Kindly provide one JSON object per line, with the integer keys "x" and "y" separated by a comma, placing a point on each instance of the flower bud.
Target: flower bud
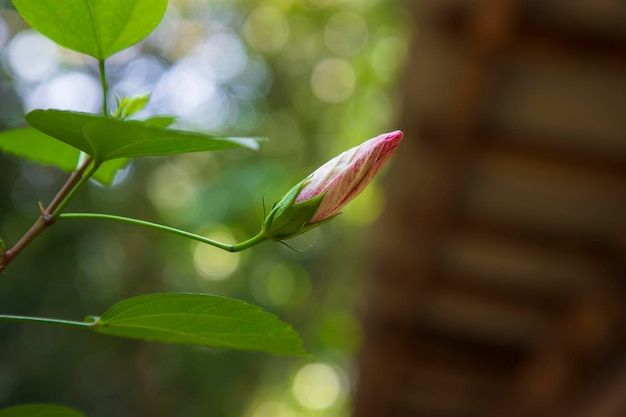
{"x": 319, "y": 197}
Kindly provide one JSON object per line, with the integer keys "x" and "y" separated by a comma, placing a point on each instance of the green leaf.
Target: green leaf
{"x": 199, "y": 319}
{"x": 39, "y": 410}
{"x": 127, "y": 106}
{"x": 36, "y": 146}
{"x": 98, "y": 28}
{"x": 159, "y": 121}
{"x": 107, "y": 171}
{"x": 105, "y": 138}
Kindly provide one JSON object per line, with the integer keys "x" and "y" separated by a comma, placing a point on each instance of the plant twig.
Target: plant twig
{"x": 71, "y": 182}
{"x": 65, "y": 194}
{"x": 48, "y": 216}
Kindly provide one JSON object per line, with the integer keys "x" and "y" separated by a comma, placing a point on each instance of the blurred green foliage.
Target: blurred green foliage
{"x": 316, "y": 77}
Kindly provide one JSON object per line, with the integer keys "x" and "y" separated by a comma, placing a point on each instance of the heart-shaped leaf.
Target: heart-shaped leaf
{"x": 39, "y": 410}
{"x": 199, "y": 319}
{"x": 98, "y": 28}
{"x": 105, "y": 138}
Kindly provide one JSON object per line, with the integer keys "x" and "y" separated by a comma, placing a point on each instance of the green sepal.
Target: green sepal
{"x": 287, "y": 220}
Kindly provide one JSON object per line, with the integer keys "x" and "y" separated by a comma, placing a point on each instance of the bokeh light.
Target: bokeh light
{"x": 346, "y": 33}
{"x": 316, "y": 386}
{"x": 188, "y": 91}
{"x": 139, "y": 75}
{"x": 32, "y": 57}
{"x": 221, "y": 54}
{"x": 266, "y": 29}
{"x": 333, "y": 80}
{"x": 67, "y": 91}
{"x": 388, "y": 55}
{"x": 213, "y": 263}
{"x": 170, "y": 187}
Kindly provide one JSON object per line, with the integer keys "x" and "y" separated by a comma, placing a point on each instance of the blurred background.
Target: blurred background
{"x": 484, "y": 276}
{"x": 316, "y": 77}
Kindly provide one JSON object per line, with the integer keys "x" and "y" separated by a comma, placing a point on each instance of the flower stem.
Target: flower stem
{"x": 59, "y": 322}
{"x": 260, "y": 237}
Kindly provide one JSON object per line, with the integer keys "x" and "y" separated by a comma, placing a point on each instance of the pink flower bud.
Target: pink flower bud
{"x": 322, "y": 194}
{"x": 342, "y": 178}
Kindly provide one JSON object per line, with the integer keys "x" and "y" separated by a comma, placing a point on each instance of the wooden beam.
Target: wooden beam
{"x": 546, "y": 384}
{"x": 388, "y": 350}
{"x": 609, "y": 168}
{"x": 608, "y": 396}
{"x": 540, "y": 41}
{"x": 537, "y": 40}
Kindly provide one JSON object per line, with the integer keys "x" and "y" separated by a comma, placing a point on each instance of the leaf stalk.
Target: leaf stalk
{"x": 43, "y": 320}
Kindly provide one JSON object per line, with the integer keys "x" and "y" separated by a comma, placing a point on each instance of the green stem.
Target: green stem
{"x": 260, "y": 237}
{"x": 4, "y": 317}
{"x": 105, "y": 88}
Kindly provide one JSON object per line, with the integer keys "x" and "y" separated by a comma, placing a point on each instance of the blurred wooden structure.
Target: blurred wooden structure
{"x": 498, "y": 279}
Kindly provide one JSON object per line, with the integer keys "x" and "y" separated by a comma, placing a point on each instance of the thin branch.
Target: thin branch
{"x": 47, "y": 218}
{"x": 65, "y": 194}
{"x": 68, "y": 186}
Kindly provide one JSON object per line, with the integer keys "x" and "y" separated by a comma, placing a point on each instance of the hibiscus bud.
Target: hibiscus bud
{"x": 320, "y": 196}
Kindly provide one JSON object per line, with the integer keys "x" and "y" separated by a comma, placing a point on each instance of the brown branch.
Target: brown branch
{"x": 46, "y": 219}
